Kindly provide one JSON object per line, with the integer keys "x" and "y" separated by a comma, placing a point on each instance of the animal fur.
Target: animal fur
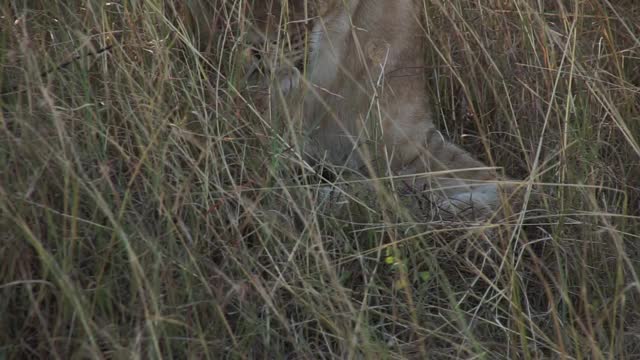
{"x": 361, "y": 99}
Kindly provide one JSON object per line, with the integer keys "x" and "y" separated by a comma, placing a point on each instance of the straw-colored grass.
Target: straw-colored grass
{"x": 146, "y": 211}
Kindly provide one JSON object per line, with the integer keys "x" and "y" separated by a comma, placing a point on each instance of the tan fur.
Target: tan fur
{"x": 363, "y": 100}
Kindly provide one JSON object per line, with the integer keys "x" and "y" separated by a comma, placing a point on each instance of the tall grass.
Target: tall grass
{"x": 147, "y": 211}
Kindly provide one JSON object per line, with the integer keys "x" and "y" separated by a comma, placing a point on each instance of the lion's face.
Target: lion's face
{"x": 276, "y": 35}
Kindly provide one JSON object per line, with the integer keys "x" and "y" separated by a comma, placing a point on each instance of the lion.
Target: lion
{"x": 351, "y": 75}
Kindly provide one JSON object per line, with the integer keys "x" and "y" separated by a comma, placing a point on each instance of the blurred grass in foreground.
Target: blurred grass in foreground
{"x": 146, "y": 210}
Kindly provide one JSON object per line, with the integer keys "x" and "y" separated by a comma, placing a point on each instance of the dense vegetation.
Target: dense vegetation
{"x": 146, "y": 209}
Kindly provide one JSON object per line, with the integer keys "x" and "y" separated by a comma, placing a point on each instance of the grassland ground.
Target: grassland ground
{"x": 148, "y": 211}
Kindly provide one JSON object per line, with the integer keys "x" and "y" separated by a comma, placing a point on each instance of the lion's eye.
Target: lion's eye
{"x": 256, "y": 54}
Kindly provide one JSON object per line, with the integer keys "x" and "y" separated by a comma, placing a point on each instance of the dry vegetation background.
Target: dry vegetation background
{"x": 146, "y": 211}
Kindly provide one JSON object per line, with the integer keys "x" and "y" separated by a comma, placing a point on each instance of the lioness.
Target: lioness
{"x": 351, "y": 73}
